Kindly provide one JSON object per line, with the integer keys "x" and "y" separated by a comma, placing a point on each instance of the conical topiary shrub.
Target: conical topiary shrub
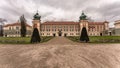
{"x": 84, "y": 35}
{"x": 35, "y": 36}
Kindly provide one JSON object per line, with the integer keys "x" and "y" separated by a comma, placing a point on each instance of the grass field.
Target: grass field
{"x": 20, "y": 40}
{"x": 98, "y": 39}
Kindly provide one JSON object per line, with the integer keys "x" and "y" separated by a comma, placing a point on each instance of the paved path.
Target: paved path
{"x": 60, "y": 41}
{"x": 59, "y": 53}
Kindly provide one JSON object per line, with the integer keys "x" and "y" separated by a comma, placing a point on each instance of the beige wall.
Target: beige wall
{"x": 14, "y": 31}
{"x": 72, "y": 30}
{"x": 49, "y": 30}
{"x": 95, "y": 30}
{"x": 117, "y": 24}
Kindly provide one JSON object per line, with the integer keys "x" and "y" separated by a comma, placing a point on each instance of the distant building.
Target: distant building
{"x": 116, "y": 30}
{"x": 13, "y": 30}
{"x": 69, "y": 28}
{"x": 117, "y": 24}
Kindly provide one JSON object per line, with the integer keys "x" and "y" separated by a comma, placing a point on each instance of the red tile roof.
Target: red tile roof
{"x": 117, "y": 22}
{"x": 69, "y": 23}
{"x": 16, "y": 24}
{"x": 60, "y": 23}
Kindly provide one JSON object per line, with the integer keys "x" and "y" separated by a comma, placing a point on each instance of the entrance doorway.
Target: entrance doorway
{"x": 65, "y": 35}
{"x": 110, "y": 33}
{"x": 100, "y": 34}
{"x": 54, "y": 35}
{"x": 59, "y": 33}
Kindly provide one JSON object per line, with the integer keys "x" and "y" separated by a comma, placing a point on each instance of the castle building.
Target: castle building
{"x": 116, "y": 30}
{"x": 69, "y": 28}
{"x": 13, "y": 30}
{"x": 60, "y": 28}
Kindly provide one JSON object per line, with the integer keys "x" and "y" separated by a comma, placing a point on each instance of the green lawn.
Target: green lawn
{"x": 20, "y": 40}
{"x": 98, "y": 39}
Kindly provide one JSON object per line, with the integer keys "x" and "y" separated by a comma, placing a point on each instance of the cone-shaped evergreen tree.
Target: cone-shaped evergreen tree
{"x": 84, "y": 35}
{"x": 23, "y": 26}
{"x": 35, "y": 36}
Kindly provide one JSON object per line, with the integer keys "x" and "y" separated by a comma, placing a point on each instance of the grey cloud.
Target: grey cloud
{"x": 12, "y": 12}
{"x": 110, "y": 9}
{"x": 65, "y": 4}
{"x": 109, "y": 12}
{"x": 72, "y": 9}
{"x": 15, "y": 11}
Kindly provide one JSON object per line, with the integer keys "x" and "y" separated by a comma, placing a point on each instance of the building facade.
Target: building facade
{"x": 116, "y": 30}
{"x": 59, "y": 28}
{"x": 13, "y": 30}
{"x": 69, "y": 28}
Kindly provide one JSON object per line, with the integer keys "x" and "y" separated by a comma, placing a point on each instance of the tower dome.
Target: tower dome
{"x": 83, "y": 16}
{"x": 37, "y": 16}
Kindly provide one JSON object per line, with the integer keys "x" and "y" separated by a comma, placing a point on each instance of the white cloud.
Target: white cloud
{"x": 98, "y": 10}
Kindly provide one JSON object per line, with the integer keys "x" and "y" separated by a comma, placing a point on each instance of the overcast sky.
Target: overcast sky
{"x": 60, "y": 10}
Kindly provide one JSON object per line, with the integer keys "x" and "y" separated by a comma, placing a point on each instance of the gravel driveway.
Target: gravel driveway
{"x": 60, "y": 53}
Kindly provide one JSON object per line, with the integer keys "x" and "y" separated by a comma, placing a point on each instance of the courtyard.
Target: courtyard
{"x": 60, "y": 52}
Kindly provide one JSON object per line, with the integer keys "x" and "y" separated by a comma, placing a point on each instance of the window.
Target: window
{"x": 77, "y": 33}
{"x": 71, "y": 33}
{"x": 66, "y": 29}
{"x": 9, "y": 28}
{"x": 43, "y": 30}
{"x": 49, "y": 29}
{"x": 72, "y": 29}
{"x": 18, "y": 32}
{"x": 48, "y": 33}
{"x": 17, "y": 28}
{"x": 91, "y": 34}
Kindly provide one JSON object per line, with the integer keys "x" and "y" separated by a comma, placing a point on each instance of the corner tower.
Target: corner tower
{"x": 36, "y": 21}
{"x": 106, "y": 25}
{"x": 83, "y": 22}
